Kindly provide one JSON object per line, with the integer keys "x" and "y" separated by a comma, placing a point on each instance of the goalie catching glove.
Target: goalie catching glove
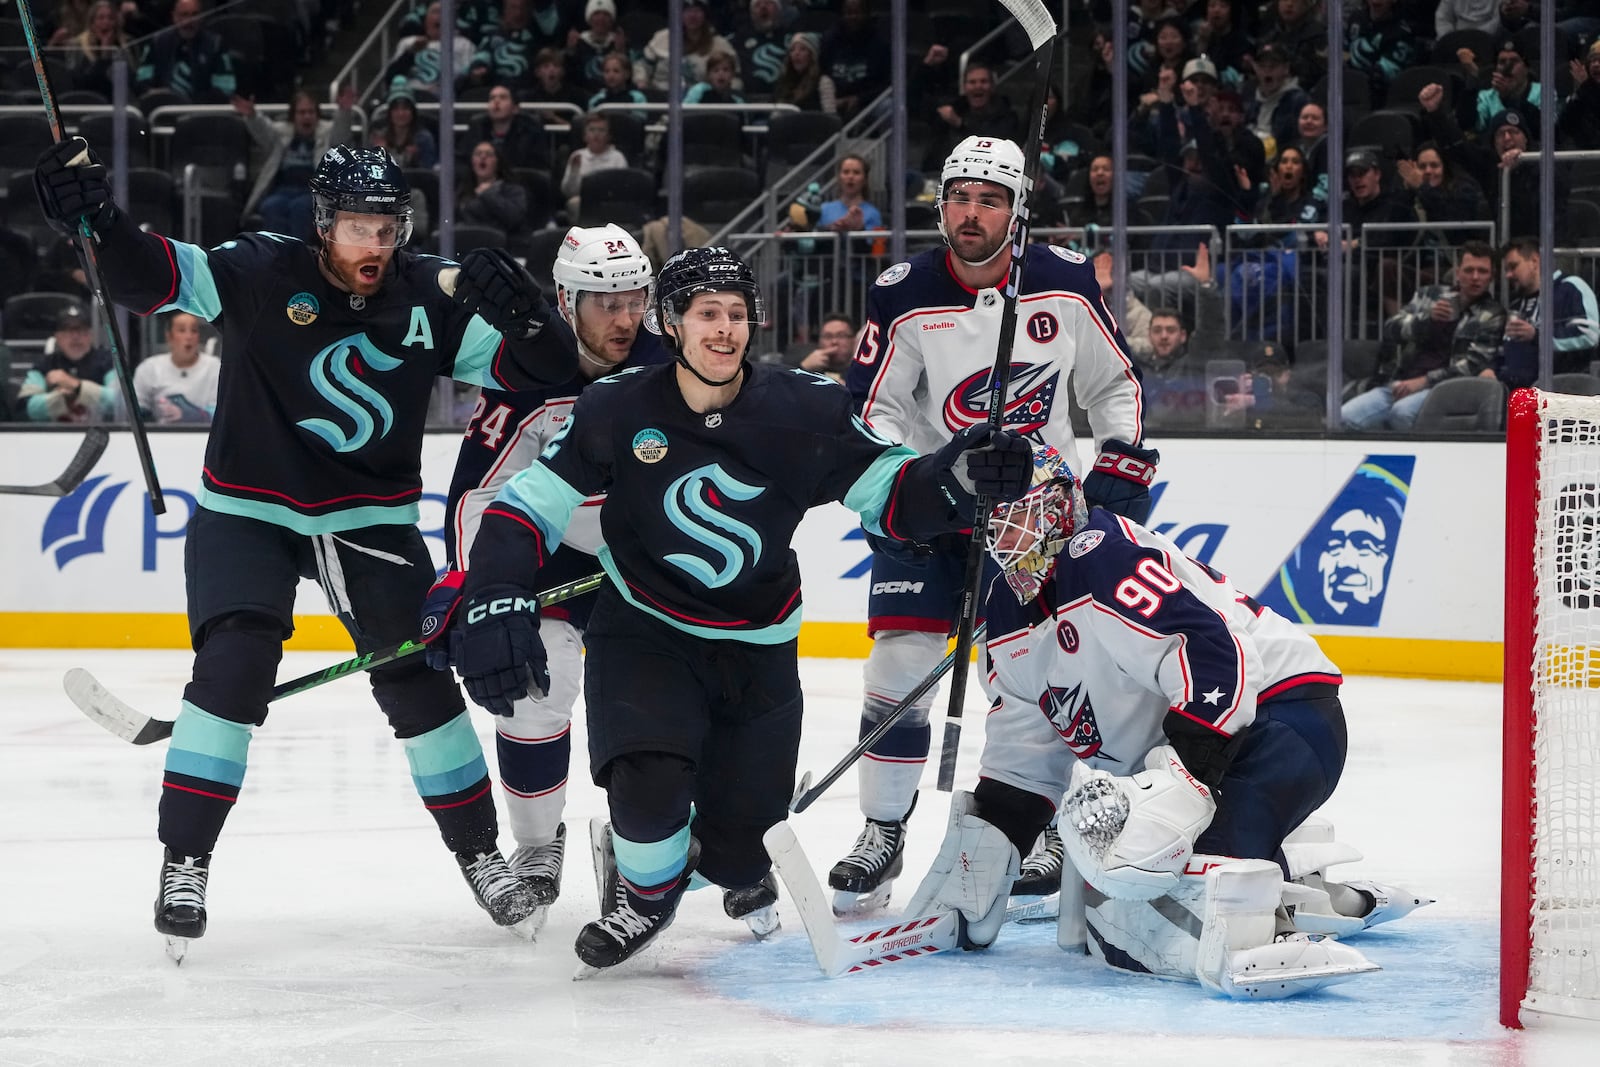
{"x": 1131, "y": 837}
{"x": 972, "y": 874}
{"x": 494, "y": 286}
{"x": 497, "y": 649}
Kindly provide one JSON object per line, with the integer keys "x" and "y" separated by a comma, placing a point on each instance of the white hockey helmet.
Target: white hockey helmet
{"x": 599, "y": 259}
{"x": 990, "y": 159}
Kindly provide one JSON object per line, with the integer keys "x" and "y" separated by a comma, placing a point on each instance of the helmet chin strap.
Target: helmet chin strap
{"x": 683, "y": 361}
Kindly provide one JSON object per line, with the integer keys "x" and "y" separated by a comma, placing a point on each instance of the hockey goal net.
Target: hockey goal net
{"x": 1550, "y": 871}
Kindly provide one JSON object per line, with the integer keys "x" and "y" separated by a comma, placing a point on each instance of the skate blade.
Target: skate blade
{"x": 177, "y": 948}
{"x": 528, "y": 929}
{"x": 848, "y": 905}
{"x": 642, "y": 962}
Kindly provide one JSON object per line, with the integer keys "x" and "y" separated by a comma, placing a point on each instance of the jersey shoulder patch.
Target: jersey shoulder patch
{"x": 896, "y": 273}
{"x": 1068, "y": 254}
{"x": 1084, "y": 543}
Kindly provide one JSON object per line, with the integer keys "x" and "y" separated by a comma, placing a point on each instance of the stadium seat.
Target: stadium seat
{"x": 218, "y": 145}
{"x": 1483, "y": 47}
{"x": 713, "y": 139}
{"x": 794, "y": 135}
{"x": 1463, "y": 405}
{"x": 152, "y": 200}
{"x": 1408, "y": 83}
{"x": 714, "y": 195}
{"x": 1577, "y": 384}
{"x": 97, "y": 130}
{"x": 1393, "y": 133}
{"x": 626, "y": 196}
{"x": 32, "y": 316}
{"x": 18, "y": 261}
{"x": 542, "y": 248}
{"x": 469, "y": 236}
{"x": 24, "y": 137}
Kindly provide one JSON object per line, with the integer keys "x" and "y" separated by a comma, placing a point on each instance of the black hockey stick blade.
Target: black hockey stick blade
{"x": 89, "y": 452}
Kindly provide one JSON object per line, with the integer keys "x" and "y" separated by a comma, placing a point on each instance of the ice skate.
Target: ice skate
{"x": 502, "y": 894}
{"x": 1041, "y": 868}
{"x": 181, "y": 901}
{"x": 756, "y": 905}
{"x": 1387, "y": 902}
{"x": 863, "y": 880}
{"x": 539, "y": 866}
{"x": 629, "y": 924}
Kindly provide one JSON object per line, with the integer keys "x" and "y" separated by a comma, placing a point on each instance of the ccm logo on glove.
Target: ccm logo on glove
{"x": 1125, "y": 466}
{"x": 501, "y": 606}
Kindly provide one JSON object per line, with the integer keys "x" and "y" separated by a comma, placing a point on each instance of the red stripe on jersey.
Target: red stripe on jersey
{"x": 172, "y": 291}
{"x": 214, "y": 480}
{"x": 1281, "y": 687}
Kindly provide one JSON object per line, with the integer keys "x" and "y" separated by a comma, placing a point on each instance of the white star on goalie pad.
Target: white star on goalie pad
{"x": 1212, "y": 697}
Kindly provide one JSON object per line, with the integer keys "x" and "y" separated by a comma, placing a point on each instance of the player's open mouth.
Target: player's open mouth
{"x": 370, "y": 272}
{"x": 719, "y": 350}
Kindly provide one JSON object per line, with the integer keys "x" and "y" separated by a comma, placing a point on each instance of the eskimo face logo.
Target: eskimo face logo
{"x": 697, "y": 505}
{"x": 303, "y": 309}
{"x": 1033, "y": 394}
{"x": 334, "y": 376}
{"x": 1070, "y": 712}
{"x": 1354, "y": 561}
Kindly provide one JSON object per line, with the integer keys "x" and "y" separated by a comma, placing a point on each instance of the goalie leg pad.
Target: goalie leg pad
{"x": 972, "y": 874}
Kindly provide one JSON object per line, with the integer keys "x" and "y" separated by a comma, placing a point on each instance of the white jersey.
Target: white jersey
{"x": 1127, "y": 630}
{"x": 171, "y": 393}
{"x": 922, "y": 368}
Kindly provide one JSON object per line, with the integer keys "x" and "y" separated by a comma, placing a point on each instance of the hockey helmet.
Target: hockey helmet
{"x": 1026, "y": 535}
{"x": 704, "y": 270}
{"x": 598, "y": 259}
{"x": 364, "y": 181}
{"x": 990, "y": 159}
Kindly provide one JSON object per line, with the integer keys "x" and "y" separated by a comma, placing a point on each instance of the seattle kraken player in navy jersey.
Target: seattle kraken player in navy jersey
{"x": 921, "y": 374}
{"x": 313, "y": 468}
{"x": 691, "y": 682}
{"x": 603, "y": 283}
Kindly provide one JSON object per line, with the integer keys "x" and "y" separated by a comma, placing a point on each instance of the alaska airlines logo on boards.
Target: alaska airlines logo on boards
{"x": 1032, "y": 398}
{"x": 341, "y": 361}
{"x": 1339, "y": 573}
{"x": 694, "y": 503}
{"x": 76, "y": 524}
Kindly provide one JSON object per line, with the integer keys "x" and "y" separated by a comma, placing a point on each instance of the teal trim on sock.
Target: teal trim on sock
{"x": 649, "y": 863}
{"x": 206, "y": 746}
{"x": 446, "y": 760}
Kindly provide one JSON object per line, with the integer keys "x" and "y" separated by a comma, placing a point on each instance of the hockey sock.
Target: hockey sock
{"x": 452, "y": 778}
{"x": 893, "y": 766}
{"x": 204, "y": 770}
{"x": 652, "y": 870}
{"x": 533, "y": 773}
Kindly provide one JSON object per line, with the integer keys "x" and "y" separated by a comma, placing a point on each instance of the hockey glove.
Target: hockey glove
{"x": 70, "y": 182}
{"x": 438, "y": 611}
{"x": 497, "y": 650}
{"x": 983, "y": 461}
{"x": 1120, "y": 481}
{"x": 499, "y": 290}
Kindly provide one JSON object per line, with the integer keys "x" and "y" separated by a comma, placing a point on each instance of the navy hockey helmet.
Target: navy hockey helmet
{"x": 704, "y": 270}
{"x": 364, "y": 181}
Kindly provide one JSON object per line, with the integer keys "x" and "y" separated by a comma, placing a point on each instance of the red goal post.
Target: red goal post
{"x": 1550, "y": 828}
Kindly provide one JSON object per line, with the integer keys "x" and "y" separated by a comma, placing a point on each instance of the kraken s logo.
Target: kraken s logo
{"x": 694, "y": 504}
{"x": 510, "y": 58}
{"x": 338, "y": 363}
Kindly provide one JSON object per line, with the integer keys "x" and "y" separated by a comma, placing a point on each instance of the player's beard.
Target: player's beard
{"x": 596, "y": 347}
{"x": 975, "y": 245}
{"x": 359, "y": 272}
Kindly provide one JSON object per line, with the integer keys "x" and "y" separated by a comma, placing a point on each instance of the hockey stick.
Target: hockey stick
{"x": 130, "y": 724}
{"x": 91, "y": 273}
{"x": 806, "y": 793}
{"x": 1041, "y": 30}
{"x": 89, "y": 452}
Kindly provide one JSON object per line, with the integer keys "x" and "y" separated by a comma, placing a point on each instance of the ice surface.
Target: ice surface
{"x": 342, "y": 933}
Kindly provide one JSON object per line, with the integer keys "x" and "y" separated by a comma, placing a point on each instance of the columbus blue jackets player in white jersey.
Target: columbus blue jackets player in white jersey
{"x": 603, "y": 284}
{"x": 921, "y": 373}
{"x": 691, "y": 681}
{"x": 313, "y": 468}
{"x": 1195, "y": 727}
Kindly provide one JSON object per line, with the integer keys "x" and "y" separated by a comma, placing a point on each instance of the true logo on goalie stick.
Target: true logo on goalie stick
{"x": 303, "y": 309}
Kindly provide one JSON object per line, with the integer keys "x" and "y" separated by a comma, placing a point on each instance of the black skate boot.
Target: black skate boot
{"x": 539, "y": 867}
{"x": 1041, "y": 870}
{"x": 862, "y": 881}
{"x": 756, "y": 905}
{"x": 499, "y": 892}
{"x": 181, "y": 901}
{"x": 631, "y": 923}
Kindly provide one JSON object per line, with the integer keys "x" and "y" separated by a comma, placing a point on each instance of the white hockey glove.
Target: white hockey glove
{"x": 972, "y": 874}
{"x": 1131, "y": 837}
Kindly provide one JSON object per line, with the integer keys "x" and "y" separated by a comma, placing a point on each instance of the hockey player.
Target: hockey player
{"x": 603, "y": 284}
{"x": 691, "y": 681}
{"x": 313, "y": 469}
{"x": 1197, "y": 730}
{"x": 921, "y": 374}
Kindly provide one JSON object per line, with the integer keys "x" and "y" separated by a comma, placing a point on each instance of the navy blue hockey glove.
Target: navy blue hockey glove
{"x": 983, "y": 461}
{"x": 499, "y": 290}
{"x": 497, "y": 650}
{"x": 438, "y": 611}
{"x": 905, "y": 553}
{"x": 70, "y": 182}
{"x": 1120, "y": 481}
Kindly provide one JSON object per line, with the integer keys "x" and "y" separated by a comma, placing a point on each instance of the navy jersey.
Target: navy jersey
{"x": 701, "y": 508}
{"x": 323, "y": 395}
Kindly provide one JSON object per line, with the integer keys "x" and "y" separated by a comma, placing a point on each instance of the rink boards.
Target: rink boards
{"x": 1390, "y": 552}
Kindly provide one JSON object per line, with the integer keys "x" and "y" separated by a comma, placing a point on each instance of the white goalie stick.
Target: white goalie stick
{"x": 905, "y": 939}
{"x": 89, "y": 452}
{"x": 1041, "y": 29}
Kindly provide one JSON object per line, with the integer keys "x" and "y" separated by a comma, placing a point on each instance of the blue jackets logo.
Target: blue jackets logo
{"x": 335, "y": 367}
{"x": 76, "y": 525}
{"x": 1339, "y": 574}
{"x": 694, "y": 503}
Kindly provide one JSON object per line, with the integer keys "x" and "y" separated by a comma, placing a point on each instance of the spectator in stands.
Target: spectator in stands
{"x": 1577, "y": 320}
{"x": 1221, "y": 38}
{"x": 1380, "y": 45}
{"x": 836, "y": 346}
{"x": 616, "y": 76}
{"x": 1273, "y": 110}
{"x": 1466, "y": 15}
{"x": 721, "y": 71}
{"x": 1494, "y": 165}
{"x": 588, "y": 50}
{"x": 180, "y": 384}
{"x": 1166, "y": 50}
{"x": 1299, "y": 31}
{"x": 74, "y": 381}
{"x": 507, "y": 47}
{"x": 1440, "y": 192}
{"x": 408, "y": 142}
{"x": 1092, "y": 105}
{"x": 71, "y": 19}
{"x": 1273, "y": 395}
{"x": 190, "y": 60}
{"x": 287, "y": 155}
{"x": 759, "y": 37}
{"x": 550, "y": 88}
{"x": 1064, "y": 147}
{"x": 1578, "y": 125}
{"x": 1147, "y": 118}
{"x": 856, "y": 57}
{"x": 522, "y": 141}
{"x": 850, "y": 210}
{"x": 1173, "y": 384}
{"x": 96, "y": 47}
{"x": 597, "y": 154}
{"x": 491, "y": 196}
{"x": 1291, "y": 200}
{"x": 978, "y": 111}
{"x": 1510, "y": 88}
{"x": 1225, "y": 115}
{"x": 1441, "y": 333}
{"x": 1312, "y": 127}
{"x": 801, "y": 82}
{"x": 652, "y": 71}
{"x": 1367, "y": 200}
{"x": 1094, "y": 211}
{"x": 417, "y": 57}
{"x": 61, "y": 270}
{"x": 1134, "y": 317}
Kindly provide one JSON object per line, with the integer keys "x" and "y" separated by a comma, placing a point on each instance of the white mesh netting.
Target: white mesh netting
{"x": 1565, "y": 960}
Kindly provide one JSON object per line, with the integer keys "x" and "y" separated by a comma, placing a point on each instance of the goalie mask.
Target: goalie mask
{"x": 1026, "y": 534}
{"x": 984, "y": 159}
